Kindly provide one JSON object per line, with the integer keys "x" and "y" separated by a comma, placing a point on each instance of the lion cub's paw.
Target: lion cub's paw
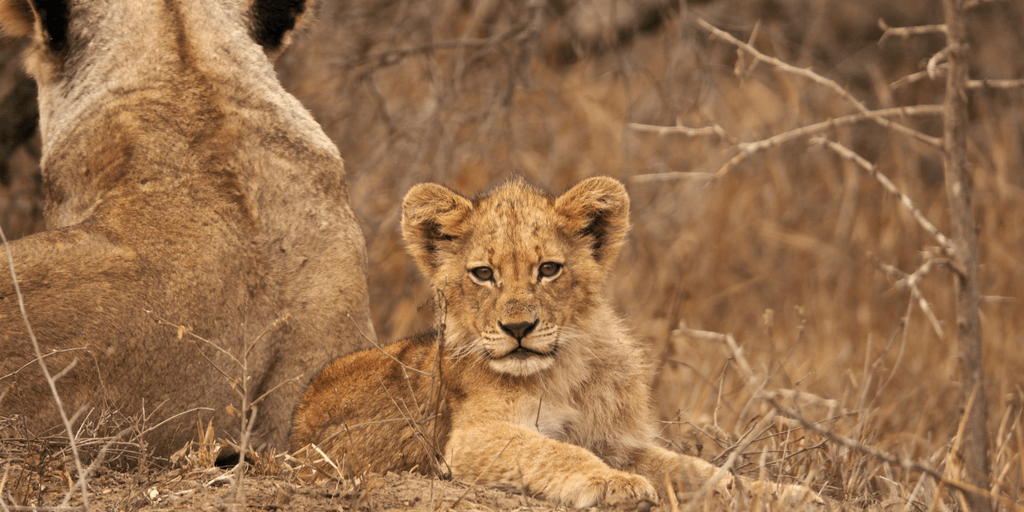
{"x": 624, "y": 489}
{"x": 617, "y": 489}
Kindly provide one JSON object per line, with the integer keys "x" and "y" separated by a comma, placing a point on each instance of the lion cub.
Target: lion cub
{"x": 538, "y": 385}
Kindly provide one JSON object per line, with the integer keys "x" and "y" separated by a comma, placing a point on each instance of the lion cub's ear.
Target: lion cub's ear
{"x": 598, "y": 209}
{"x": 431, "y": 216}
{"x": 274, "y": 22}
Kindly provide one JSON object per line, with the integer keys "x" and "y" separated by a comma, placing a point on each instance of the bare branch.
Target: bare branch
{"x": 714, "y": 129}
{"x": 273, "y": 325}
{"x": 671, "y": 176}
{"x": 995, "y": 83}
{"x": 909, "y": 282}
{"x": 182, "y": 330}
{"x": 940, "y": 70}
{"x": 915, "y": 77}
{"x": 730, "y": 342}
{"x": 174, "y": 416}
{"x": 749, "y": 148}
{"x": 974, "y": 453}
{"x": 827, "y": 83}
{"x": 905, "y": 32}
{"x": 935, "y": 60}
{"x": 33, "y": 361}
{"x": 870, "y": 168}
{"x": 280, "y": 385}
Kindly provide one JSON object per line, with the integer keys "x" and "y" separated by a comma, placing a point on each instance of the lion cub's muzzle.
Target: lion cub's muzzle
{"x": 522, "y": 343}
{"x": 519, "y": 330}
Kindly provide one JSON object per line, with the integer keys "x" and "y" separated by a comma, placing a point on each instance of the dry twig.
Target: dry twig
{"x": 935, "y": 60}
{"x": 905, "y": 32}
{"x": 940, "y": 71}
{"x": 714, "y": 129}
{"x": 994, "y": 83}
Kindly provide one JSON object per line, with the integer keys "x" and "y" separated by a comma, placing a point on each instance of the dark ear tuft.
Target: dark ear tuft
{"x": 431, "y": 215}
{"x": 597, "y": 210}
{"x": 55, "y": 17}
{"x": 274, "y": 20}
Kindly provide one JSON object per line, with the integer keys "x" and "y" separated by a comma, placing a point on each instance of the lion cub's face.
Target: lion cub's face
{"x": 519, "y": 268}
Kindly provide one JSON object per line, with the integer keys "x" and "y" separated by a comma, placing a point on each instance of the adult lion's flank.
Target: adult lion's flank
{"x": 184, "y": 187}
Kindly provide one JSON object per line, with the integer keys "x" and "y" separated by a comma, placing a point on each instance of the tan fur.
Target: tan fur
{"x": 564, "y": 413}
{"x": 184, "y": 184}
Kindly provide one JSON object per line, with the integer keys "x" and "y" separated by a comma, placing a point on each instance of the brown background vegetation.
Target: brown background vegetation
{"x": 777, "y": 252}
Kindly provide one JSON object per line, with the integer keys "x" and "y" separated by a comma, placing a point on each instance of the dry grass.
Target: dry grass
{"x": 786, "y": 251}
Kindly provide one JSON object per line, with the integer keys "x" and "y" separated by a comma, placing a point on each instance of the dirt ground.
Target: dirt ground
{"x": 192, "y": 482}
{"x": 214, "y": 490}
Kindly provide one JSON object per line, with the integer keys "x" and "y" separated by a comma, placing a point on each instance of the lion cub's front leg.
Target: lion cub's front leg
{"x": 502, "y": 454}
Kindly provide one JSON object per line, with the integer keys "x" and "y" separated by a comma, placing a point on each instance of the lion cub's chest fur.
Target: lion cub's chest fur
{"x": 555, "y": 419}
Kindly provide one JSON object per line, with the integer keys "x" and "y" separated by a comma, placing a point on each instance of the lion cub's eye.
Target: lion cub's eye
{"x": 549, "y": 269}
{"x": 482, "y": 273}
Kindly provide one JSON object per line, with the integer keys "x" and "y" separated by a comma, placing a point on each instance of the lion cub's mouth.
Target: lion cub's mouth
{"x": 522, "y": 352}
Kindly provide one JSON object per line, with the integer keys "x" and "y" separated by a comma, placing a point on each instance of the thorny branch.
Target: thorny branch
{"x": 747, "y": 149}
{"x": 870, "y": 168}
{"x": 910, "y": 281}
{"x": 827, "y": 83}
{"x": 714, "y": 129}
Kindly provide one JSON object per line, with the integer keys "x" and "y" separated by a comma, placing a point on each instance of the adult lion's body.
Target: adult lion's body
{"x": 538, "y": 384}
{"x": 184, "y": 186}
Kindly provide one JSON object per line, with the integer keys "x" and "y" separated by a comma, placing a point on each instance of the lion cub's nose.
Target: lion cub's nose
{"x": 519, "y": 330}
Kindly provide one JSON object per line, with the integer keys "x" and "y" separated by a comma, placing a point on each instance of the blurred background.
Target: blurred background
{"x": 778, "y": 252}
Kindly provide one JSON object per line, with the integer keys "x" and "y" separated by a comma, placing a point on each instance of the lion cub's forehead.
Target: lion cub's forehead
{"x": 515, "y": 221}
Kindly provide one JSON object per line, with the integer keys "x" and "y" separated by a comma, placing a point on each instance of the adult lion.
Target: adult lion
{"x": 184, "y": 187}
{"x": 535, "y": 383}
